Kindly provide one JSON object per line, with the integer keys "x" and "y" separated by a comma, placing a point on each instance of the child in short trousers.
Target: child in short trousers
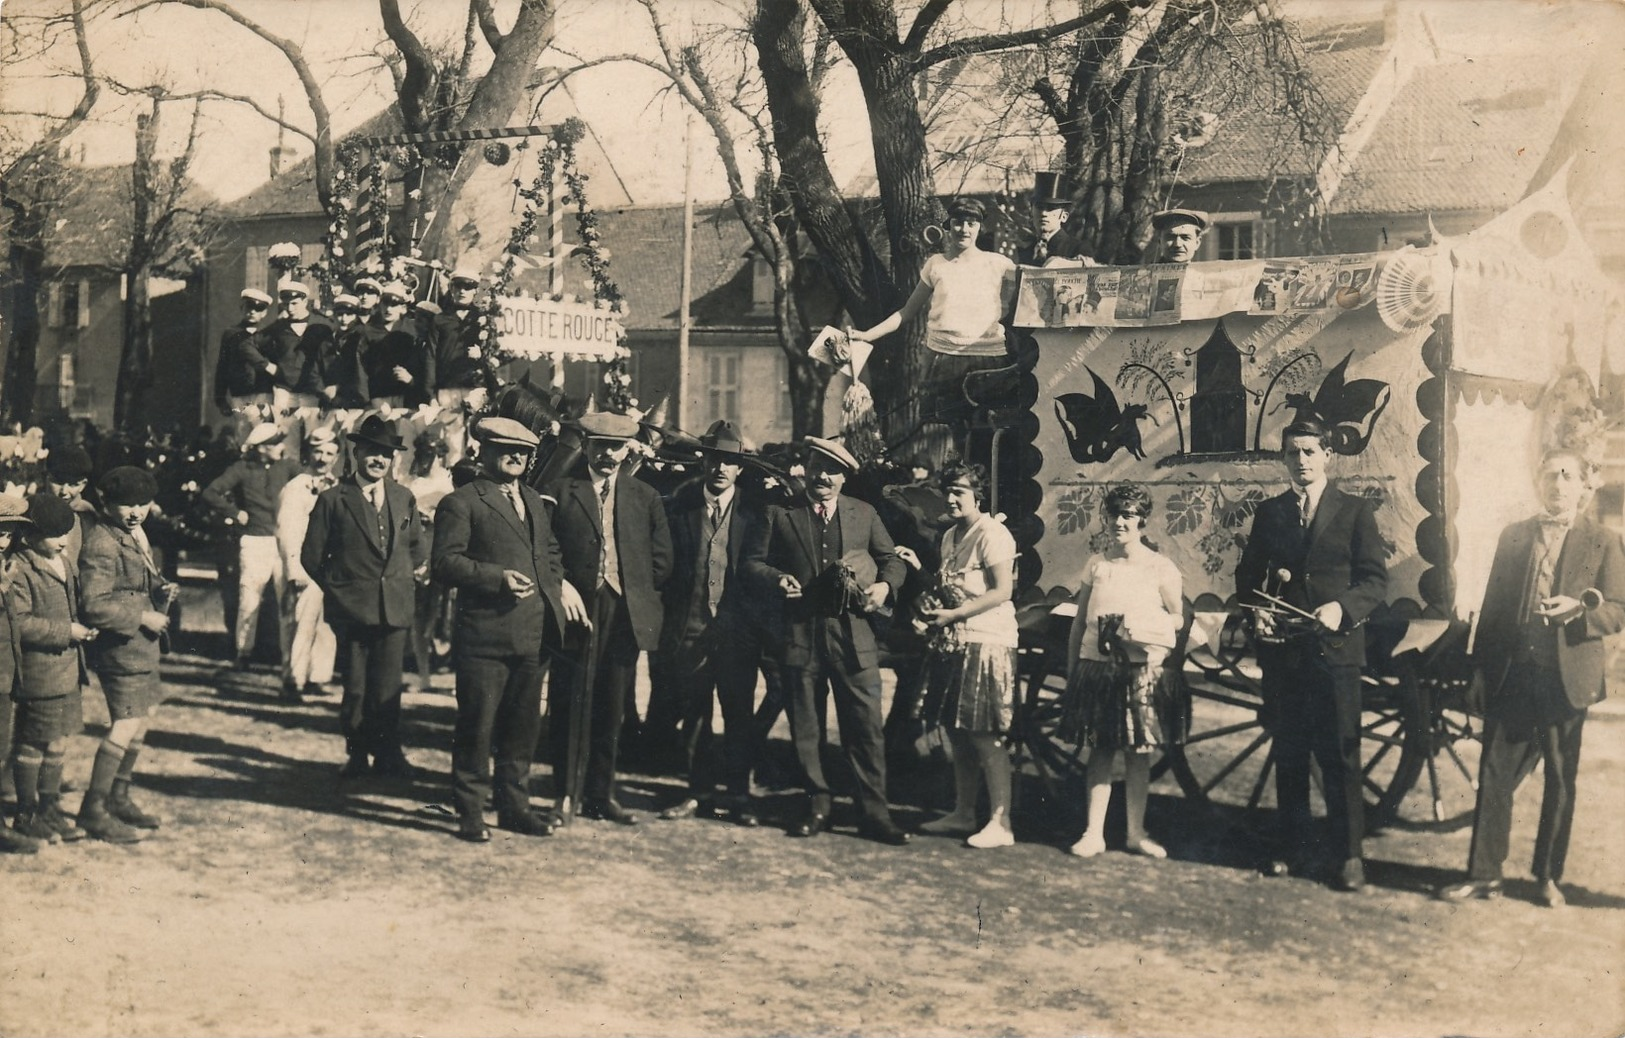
{"x": 44, "y": 601}
{"x": 13, "y": 519}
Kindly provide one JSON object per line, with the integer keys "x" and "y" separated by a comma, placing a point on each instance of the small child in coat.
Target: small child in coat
{"x": 43, "y": 596}
{"x": 13, "y": 519}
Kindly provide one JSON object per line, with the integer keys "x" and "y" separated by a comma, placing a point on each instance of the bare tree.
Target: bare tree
{"x": 31, "y": 190}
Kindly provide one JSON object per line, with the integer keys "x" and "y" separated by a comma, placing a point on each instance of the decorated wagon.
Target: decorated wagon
{"x": 1444, "y": 371}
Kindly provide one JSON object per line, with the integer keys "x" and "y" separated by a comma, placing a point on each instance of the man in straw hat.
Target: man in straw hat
{"x": 710, "y": 640}
{"x": 833, "y": 563}
{"x": 364, "y": 548}
{"x": 247, "y": 495}
{"x": 494, "y": 543}
{"x": 307, "y": 635}
{"x": 617, "y": 553}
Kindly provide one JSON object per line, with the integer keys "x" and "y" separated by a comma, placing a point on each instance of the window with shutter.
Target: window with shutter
{"x": 257, "y": 267}
{"x": 53, "y": 305}
{"x": 84, "y": 304}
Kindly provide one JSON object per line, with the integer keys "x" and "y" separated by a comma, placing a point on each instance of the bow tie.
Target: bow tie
{"x": 1556, "y": 522}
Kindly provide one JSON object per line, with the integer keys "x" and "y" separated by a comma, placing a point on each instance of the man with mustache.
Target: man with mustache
{"x": 833, "y": 563}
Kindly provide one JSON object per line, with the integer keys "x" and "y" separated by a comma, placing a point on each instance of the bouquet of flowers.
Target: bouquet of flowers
{"x": 948, "y": 594}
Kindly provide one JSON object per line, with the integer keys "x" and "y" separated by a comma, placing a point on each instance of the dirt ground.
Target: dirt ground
{"x": 273, "y": 902}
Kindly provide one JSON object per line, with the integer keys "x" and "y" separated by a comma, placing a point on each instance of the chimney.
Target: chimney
{"x": 276, "y": 159}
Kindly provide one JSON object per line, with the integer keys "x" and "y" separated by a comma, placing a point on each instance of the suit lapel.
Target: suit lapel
{"x": 1331, "y": 502}
{"x": 853, "y": 538}
{"x": 1579, "y": 555}
{"x": 801, "y": 520}
{"x": 363, "y": 514}
{"x": 496, "y": 499}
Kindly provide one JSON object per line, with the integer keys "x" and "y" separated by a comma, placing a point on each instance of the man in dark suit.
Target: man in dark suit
{"x": 1318, "y": 549}
{"x": 364, "y": 548}
{"x": 1054, "y": 205}
{"x": 399, "y": 363}
{"x": 833, "y": 563}
{"x": 709, "y": 640}
{"x": 612, "y": 530}
{"x": 493, "y": 541}
{"x": 299, "y": 345}
{"x": 1556, "y": 590}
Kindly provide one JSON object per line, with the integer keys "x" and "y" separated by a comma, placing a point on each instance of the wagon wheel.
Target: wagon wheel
{"x": 1227, "y": 758}
{"x": 1040, "y": 756}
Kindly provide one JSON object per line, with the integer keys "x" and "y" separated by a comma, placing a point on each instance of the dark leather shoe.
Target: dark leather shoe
{"x": 1351, "y": 877}
{"x": 528, "y": 824}
{"x": 1467, "y": 890}
{"x": 473, "y": 830}
{"x": 812, "y": 824}
{"x": 609, "y": 811}
{"x": 291, "y": 694}
{"x": 883, "y": 832}
{"x": 686, "y": 808}
{"x": 1551, "y": 895}
{"x": 745, "y": 817}
{"x": 394, "y": 766}
{"x": 356, "y": 767}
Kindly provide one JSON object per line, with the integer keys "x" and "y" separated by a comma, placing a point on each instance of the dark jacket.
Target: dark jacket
{"x": 293, "y": 353}
{"x": 117, "y": 586}
{"x": 478, "y": 535}
{"x": 742, "y": 606}
{"x": 348, "y": 374}
{"x": 240, "y": 368}
{"x": 641, "y": 539}
{"x": 45, "y": 607}
{"x": 364, "y": 581}
{"x": 787, "y": 544}
{"x": 1591, "y": 560}
{"x": 1340, "y": 558}
{"x": 1061, "y": 244}
{"x": 455, "y": 333}
{"x": 11, "y": 643}
{"x": 404, "y": 346}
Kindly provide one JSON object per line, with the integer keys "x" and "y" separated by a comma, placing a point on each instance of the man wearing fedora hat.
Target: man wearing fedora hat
{"x": 710, "y": 642}
{"x": 242, "y": 374}
{"x": 1178, "y": 234}
{"x": 364, "y": 547}
{"x": 247, "y": 495}
{"x": 832, "y": 563}
{"x": 612, "y": 530}
{"x": 1054, "y": 205}
{"x": 494, "y": 543}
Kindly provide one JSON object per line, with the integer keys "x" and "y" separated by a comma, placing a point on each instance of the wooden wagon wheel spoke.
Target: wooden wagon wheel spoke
{"x": 1237, "y": 762}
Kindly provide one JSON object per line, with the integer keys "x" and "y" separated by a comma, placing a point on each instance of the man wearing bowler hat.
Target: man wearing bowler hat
{"x": 363, "y": 548}
{"x": 709, "y": 643}
{"x": 1054, "y": 205}
{"x": 493, "y": 542}
{"x": 248, "y": 494}
{"x": 833, "y": 563}
{"x": 612, "y": 530}
{"x": 1177, "y": 234}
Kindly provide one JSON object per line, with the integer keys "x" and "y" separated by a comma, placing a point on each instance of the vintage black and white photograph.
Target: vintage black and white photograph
{"x": 812, "y": 517}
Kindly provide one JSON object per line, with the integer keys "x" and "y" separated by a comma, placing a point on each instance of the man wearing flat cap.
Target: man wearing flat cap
{"x": 710, "y": 645}
{"x": 494, "y": 543}
{"x": 309, "y": 640}
{"x": 612, "y": 530}
{"x": 462, "y": 379}
{"x": 833, "y": 563}
{"x": 247, "y": 495}
{"x": 364, "y": 548}
{"x": 1178, "y": 234}
{"x": 243, "y": 375}
{"x": 300, "y": 345}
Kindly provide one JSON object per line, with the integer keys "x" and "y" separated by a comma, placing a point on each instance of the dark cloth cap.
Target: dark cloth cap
{"x": 51, "y": 515}
{"x": 127, "y": 485}
{"x": 68, "y": 464}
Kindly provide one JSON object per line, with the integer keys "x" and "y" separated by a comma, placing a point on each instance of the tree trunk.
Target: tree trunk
{"x": 135, "y": 364}
{"x": 22, "y": 346}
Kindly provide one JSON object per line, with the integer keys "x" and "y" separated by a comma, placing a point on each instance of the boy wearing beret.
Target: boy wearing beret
{"x": 127, "y": 599}
{"x": 13, "y": 518}
{"x": 44, "y": 600}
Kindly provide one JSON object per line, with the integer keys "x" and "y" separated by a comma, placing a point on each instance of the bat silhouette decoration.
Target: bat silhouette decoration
{"x": 1349, "y": 409}
{"x": 1096, "y": 427}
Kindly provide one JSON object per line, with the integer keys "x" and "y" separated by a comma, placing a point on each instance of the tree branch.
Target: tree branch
{"x": 488, "y": 23}
{"x": 924, "y": 22}
{"x": 417, "y": 85}
{"x": 47, "y": 144}
{"x": 1010, "y": 40}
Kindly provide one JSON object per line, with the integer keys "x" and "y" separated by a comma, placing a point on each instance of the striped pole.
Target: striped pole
{"x": 451, "y": 136}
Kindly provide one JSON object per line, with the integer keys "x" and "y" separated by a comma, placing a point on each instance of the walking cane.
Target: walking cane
{"x": 578, "y": 743}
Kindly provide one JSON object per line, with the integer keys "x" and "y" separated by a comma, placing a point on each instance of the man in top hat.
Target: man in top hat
{"x": 494, "y": 543}
{"x": 67, "y": 474}
{"x": 247, "y": 495}
{"x": 1178, "y": 233}
{"x": 833, "y": 563}
{"x": 612, "y": 530}
{"x": 306, "y": 634}
{"x": 709, "y": 641}
{"x": 1556, "y": 590}
{"x": 364, "y": 547}
{"x": 243, "y": 374}
{"x": 300, "y": 345}
{"x": 1318, "y": 549}
{"x": 462, "y": 379}
{"x": 1054, "y": 205}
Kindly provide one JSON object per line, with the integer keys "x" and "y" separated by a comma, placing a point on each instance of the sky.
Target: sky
{"x": 640, "y": 126}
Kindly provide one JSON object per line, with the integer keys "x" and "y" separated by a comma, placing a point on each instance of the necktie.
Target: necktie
{"x": 375, "y": 495}
{"x": 1041, "y": 250}
{"x": 823, "y": 512}
{"x": 517, "y": 500}
{"x": 1303, "y": 509}
{"x": 610, "y": 558}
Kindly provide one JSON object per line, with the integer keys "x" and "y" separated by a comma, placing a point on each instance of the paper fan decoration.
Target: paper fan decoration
{"x": 1410, "y": 292}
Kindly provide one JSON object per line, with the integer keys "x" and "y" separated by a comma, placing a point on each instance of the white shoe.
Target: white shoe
{"x": 993, "y": 835}
{"x": 949, "y": 824}
{"x": 1088, "y": 845}
{"x": 1148, "y": 848}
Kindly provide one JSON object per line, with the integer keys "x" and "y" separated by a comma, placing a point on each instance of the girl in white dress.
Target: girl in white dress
{"x": 972, "y": 666}
{"x": 1118, "y": 697}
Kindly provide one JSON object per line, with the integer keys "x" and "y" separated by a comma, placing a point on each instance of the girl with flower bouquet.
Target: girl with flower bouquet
{"x": 971, "y": 624}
